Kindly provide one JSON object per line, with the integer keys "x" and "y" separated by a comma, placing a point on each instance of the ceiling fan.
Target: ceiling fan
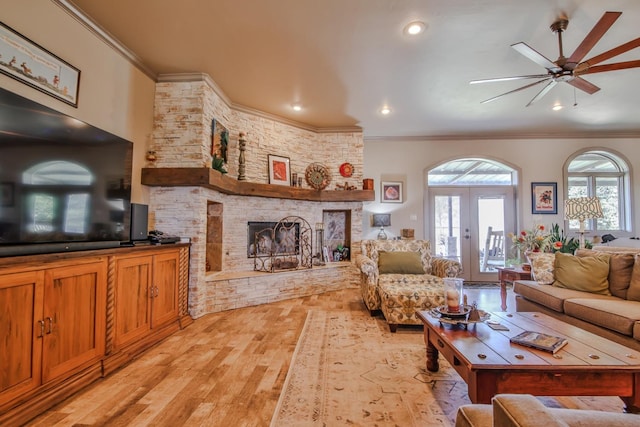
{"x": 570, "y": 70}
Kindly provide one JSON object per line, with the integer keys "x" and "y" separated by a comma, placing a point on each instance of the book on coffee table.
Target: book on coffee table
{"x": 540, "y": 341}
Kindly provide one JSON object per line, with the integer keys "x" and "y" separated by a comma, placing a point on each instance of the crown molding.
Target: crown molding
{"x": 105, "y": 36}
{"x": 110, "y": 40}
{"x": 503, "y": 136}
{"x": 203, "y": 77}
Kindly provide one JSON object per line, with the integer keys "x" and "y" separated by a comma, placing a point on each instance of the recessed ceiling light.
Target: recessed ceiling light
{"x": 414, "y": 28}
{"x": 385, "y": 110}
{"x": 557, "y": 107}
{"x": 296, "y": 107}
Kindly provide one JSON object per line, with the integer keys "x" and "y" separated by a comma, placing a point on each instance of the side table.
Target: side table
{"x": 510, "y": 274}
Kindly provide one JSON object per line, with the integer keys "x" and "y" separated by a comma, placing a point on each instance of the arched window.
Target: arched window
{"x": 58, "y": 197}
{"x": 602, "y": 174}
{"x": 470, "y": 172}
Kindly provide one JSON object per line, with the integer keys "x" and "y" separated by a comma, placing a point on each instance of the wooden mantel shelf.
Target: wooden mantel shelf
{"x": 210, "y": 178}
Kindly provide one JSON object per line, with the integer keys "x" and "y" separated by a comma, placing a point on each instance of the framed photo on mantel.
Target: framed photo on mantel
{"x": 279, "y": 170}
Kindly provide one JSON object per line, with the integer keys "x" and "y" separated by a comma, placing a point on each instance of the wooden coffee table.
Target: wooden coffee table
{"x": 588, "y": 365}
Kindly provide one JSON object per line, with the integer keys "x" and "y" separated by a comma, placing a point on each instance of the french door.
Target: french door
{"x": 470, "y": 224}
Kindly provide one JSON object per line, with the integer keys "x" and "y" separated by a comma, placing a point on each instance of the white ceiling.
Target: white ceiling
{"x": 344, "y": 59}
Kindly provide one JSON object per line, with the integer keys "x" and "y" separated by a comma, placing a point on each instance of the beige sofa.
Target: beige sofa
{"x": 524, "y": 410}
{"x": 610, "y": 309}
{"x": 400, "y": 277}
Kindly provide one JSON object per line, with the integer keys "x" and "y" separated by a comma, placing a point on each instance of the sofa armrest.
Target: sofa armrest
{"x": 445, "y": 267}
{"x": 522, "y": 410}
{"x": 366, "y": 265}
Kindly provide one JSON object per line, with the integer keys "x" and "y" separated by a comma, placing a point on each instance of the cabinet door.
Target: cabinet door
{"x": 74, "y": 316}
{"x": 164, "y": 307}
{"x": 133, "y": 282}
{"x": 20, "y": 333}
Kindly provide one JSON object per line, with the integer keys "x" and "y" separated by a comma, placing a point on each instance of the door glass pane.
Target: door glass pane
{"x": 491, "y": 242}
{"x": 447, "y": 227}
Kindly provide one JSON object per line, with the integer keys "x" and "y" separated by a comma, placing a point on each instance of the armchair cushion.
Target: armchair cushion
{"x": 400, "y": 262}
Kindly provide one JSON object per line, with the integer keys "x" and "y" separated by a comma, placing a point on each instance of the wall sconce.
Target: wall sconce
{"x": 382, "y": 221}
{"x": 151, "y": 156}
{"x": 582, "y": 209}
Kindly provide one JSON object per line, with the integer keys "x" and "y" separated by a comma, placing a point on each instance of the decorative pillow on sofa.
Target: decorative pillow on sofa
{"x": 399, "y": 262}
{"x": 587, "y": 274}
{"x": 633, "y": 293}
{"x": 620, "y": 269}
{"x": 541, "y": 266}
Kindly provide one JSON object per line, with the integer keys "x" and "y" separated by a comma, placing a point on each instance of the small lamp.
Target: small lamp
{"x": 382, "y": 221}
{"x": 582, "y": 209}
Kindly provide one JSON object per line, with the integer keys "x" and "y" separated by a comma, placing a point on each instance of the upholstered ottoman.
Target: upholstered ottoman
{"x": 402, "y": 295}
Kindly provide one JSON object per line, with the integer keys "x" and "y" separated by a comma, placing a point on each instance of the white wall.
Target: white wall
{"x": 539, "y": 160}
{"x": 113, "y": 95}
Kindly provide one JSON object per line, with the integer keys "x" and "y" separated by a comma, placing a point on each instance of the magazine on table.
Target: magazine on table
{"x": 540, "y": 341}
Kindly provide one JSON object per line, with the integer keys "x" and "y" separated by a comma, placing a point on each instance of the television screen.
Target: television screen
{"x": 64, "y": 184}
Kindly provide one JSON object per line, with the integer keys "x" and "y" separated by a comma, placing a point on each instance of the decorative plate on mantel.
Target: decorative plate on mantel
{"x": 317, "y": 176}
{"x": 346, "y": 170}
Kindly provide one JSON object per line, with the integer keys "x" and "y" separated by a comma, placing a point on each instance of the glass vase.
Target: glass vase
{"x": 453, "y": 296}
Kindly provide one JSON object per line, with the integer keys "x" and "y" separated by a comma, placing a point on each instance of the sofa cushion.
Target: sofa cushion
{"x": 620, "y": 269}
{"x": 549, "y": 296}
{"x": 400, "y": 262}
{"x": 633, "y": 293}
{"x": 522, "y": 410}
{"x": 475, "y": 415}
{"x": 541, "y": 266}
{"x": 588, "y": 274}
{"x": 608, "y": 312}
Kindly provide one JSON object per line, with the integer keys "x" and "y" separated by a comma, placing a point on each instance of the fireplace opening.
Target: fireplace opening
{"x": 282, "y": 245}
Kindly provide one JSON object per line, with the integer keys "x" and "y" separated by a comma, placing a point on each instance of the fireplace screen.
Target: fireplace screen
{"x": 282, "y": 245}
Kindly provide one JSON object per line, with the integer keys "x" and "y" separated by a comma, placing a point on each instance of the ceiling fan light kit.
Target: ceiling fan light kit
{"x": 569, "y": 70}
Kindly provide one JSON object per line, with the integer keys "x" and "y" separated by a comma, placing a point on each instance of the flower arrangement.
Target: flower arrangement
{"x": 536, "y": 239}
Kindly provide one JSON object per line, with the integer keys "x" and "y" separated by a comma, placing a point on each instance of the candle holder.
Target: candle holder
{"x": 453, "y": 295}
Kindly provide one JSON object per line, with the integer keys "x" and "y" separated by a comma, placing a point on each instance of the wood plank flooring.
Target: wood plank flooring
{"x": 226, "y": 369}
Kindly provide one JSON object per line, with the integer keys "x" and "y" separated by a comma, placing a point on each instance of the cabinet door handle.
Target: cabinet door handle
{"x": 49, "y": 324}
{"x": 157, "y": 291}
{"x": 41, "y": 334}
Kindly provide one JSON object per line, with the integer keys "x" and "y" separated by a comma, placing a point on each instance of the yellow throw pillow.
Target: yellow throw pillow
{"x": 541, "y": 266}
{"x": 399, "y": 262}
{"x": 620, "y": 269}
{"x": 587, "y": 274}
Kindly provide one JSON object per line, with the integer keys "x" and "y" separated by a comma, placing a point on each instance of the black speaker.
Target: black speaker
{"x": 139, "y": 222}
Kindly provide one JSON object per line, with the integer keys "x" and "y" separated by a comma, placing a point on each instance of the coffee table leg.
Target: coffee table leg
{"x": 432, "y": 358}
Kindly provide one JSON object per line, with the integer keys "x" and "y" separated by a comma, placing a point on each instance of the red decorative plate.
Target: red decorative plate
{"x": 346, "y": 170}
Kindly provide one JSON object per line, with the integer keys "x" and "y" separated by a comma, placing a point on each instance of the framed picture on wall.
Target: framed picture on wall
{"x": 279, "y": 170}
{"x": 544, "y": 198}
{"x": 391, "y": 192}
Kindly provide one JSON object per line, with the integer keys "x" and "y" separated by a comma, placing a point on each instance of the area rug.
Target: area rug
{"x": 348, "y": 369}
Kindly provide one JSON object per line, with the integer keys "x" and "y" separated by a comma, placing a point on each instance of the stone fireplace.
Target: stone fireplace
{"x": 214, "y": 210}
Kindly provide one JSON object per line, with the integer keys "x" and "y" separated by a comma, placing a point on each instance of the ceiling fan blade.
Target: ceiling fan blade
{"x": 515, "y": 90}
{"x": 506, "y": 79}
{"x": 596, "y": 33}
{"x": 610, "y": 54}
{"x": 606, "y": 67}
{"x": 543, "y": 92}
{"x": 583, "y": 85}
{"x": 537, "y": 57}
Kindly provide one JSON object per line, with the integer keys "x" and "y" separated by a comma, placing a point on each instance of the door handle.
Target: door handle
{"x": 41, "y": 322}
{"x": 466, "y": 234}
{"x": 50, "y": 325}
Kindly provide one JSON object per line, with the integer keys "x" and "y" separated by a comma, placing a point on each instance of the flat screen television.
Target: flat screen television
{"x": 64, "y": 185}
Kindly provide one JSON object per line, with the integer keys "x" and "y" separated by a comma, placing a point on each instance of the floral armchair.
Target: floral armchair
{"x": 370, "y": 276}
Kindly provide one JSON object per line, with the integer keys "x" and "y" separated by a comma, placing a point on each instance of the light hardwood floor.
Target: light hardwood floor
{"x": 226, "y": 369}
